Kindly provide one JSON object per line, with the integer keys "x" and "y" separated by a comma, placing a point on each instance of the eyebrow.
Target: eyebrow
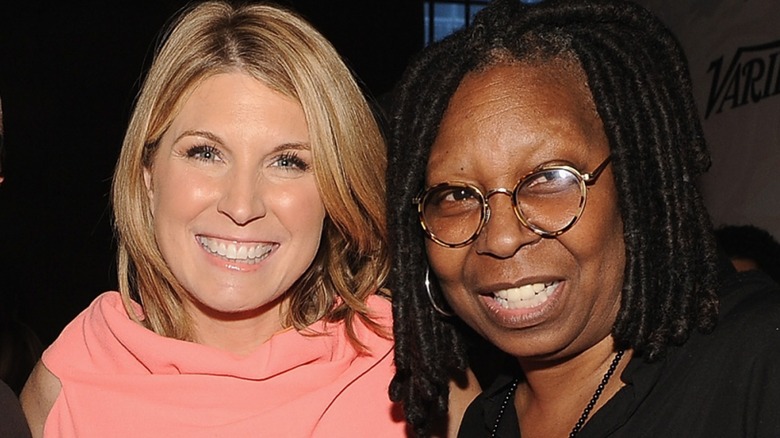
{"x": 300, "y": 146}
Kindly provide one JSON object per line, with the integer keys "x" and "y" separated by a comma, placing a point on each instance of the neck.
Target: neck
{"x": 237, "y": 333}
{"x": 552, "y": 398}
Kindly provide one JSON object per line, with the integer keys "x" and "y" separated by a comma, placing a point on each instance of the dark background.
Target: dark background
{"x": 69, "y": 74}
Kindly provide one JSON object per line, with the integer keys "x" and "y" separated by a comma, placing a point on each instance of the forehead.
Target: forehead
{"x": 518, "y": 115}
{"x": 235, "y": 96}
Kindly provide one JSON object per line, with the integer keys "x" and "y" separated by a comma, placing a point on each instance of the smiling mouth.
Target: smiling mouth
{"x": 236, "y": 252}
{"x": 526, "y": 296}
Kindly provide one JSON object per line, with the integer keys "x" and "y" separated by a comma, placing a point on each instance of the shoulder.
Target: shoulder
{"x": 88, "y": 325}
{"x": 101, "y": 337}
{"x": 750, "y": 311}
{"x": 105, "y": 308}
{"x": 746, "y": 339}
{"x": 728, "y": 380}
{"x": 38, "y": 397}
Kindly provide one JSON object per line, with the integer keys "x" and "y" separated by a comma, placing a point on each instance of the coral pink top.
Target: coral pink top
{"x": 122, "y": 380}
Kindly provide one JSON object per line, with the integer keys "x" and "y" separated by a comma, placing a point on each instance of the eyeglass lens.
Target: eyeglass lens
{"x": 548, "y": 200}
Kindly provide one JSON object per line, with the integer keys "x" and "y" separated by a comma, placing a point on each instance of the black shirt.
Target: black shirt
{"x": 722, "y": 384}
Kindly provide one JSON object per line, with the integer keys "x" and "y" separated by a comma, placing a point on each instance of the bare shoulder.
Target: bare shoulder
{"x": 38, "y": 396}
{"x": 462, "y": 392}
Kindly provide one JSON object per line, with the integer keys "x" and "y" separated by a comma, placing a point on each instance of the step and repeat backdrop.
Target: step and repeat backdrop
{"x": 733, "y": 47}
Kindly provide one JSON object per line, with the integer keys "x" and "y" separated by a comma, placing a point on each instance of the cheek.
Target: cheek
{"x": 611, "y": 231}
{"x": 300, "y": 208}
{"x": 600, "y": 236}
{"x": 303, "y": 217}
{"x": 601, "y": 224}
{"x": 600, "y": 247}
{"x": 446, "y": 264}
{"x": 178, "y": 195}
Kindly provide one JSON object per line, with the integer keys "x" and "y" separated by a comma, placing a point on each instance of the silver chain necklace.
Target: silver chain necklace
{"x": 585, "y": 413}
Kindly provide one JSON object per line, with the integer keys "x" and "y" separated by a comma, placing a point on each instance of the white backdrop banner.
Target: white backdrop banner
{"x": 733, "y": 48}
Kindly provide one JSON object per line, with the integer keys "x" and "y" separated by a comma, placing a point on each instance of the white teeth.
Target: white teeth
{"x": 526, "y": 296}
{"x": 231, "y": 251}
{"x": 236, "y": 251}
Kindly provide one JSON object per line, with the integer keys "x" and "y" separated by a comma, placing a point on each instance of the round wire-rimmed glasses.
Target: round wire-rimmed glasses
{"x": 548, "y": 201}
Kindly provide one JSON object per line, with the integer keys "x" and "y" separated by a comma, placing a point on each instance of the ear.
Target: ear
{"x": 148, "y": 184}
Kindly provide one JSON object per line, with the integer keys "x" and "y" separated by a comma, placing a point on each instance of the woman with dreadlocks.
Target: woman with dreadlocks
{"x": 542, "y": 194}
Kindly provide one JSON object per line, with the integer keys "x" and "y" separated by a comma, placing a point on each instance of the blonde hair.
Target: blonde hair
{"x": 287, "y": 54}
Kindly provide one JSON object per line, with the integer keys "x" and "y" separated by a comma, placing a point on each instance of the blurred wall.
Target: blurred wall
{"x": 733, "y": 47}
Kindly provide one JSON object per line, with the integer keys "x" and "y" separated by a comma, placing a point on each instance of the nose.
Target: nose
{"x": 241, "y": 199}
{"x": 503, "y": 234}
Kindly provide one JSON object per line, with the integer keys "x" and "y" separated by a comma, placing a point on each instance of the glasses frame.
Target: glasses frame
{"x": 585, "y": 180}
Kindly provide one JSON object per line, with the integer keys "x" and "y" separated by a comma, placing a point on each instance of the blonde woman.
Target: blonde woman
{"x": 248, "y": 203}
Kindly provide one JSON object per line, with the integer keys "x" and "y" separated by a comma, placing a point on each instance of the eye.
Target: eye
{"x": 458, "y": 194}
{"x": 291, "y": 161}
{"x": 450, "y": 200}
{"x": 204, "y": 153}
{"x": 549, "y": 182}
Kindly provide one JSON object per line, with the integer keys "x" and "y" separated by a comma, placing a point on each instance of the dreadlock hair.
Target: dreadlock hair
{"x": 639, "y": 80}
